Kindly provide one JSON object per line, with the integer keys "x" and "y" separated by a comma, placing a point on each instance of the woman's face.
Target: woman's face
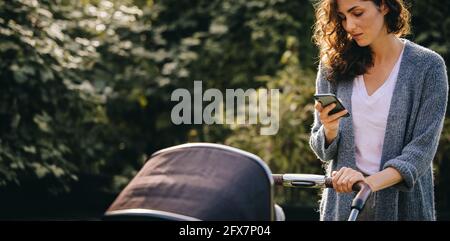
{"x": 362, "y": 20}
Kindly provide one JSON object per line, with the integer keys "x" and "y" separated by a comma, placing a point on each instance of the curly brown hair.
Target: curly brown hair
{"x": 338, "y": 52}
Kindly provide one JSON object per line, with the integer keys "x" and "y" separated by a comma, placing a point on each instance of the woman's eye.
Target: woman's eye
{"x": 358, "y": 14}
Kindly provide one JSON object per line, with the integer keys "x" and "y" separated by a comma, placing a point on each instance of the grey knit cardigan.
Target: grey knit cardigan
{"x": 414, "y": 126}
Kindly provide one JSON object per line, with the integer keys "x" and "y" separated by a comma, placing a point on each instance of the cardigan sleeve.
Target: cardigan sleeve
{"x": 317, "y": 139}
{"x": 417, "y": 155}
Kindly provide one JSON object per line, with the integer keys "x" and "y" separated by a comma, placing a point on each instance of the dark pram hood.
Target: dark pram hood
{"x": 201, "y": 181}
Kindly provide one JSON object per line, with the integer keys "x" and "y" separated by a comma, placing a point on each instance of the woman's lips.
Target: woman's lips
{"x": 357, "y": 36}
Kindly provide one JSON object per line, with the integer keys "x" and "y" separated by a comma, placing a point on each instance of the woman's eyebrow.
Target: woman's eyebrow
{"x": 351, "y": 9}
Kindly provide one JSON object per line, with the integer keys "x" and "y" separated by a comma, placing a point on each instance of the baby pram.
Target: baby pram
{"x": 203, "y": 181}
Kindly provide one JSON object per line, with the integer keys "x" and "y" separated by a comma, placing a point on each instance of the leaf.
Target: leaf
{"x": 43, "y": 121}
{"x": 46, "y": 74}
{"x": 30, "y": 149}
{"x": 39, "y": 170}
{"x": 57, "y": 171}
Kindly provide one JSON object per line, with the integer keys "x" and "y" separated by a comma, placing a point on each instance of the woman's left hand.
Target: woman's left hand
{"x": 345, "y": 178}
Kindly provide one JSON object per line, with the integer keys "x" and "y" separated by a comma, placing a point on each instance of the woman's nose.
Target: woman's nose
{"x": 350, "y": 25}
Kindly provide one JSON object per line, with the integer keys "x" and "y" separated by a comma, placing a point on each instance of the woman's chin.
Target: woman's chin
{"x": 361, "y": 42}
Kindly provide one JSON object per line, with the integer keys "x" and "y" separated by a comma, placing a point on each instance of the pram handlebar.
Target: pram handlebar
{"x": 302, "y": 180}
{"x": 318, "y": 181}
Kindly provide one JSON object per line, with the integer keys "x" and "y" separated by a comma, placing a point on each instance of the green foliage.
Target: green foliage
{"x": 431, "y": 25}
{"x": 46, "y": 108}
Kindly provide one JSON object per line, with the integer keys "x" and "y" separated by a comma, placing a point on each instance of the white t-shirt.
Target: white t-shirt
{"x": 370, "y": 115}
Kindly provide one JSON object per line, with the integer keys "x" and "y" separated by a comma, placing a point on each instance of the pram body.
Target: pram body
{"x": 199, "y": 181}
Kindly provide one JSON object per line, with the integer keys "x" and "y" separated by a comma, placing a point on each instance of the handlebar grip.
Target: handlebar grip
{"x": 356, "y": 187}
{"x": 278, "y": 179}
{"x": 364, "y": 192}
{"x": 328, "y": 182}
{"x": 359, "y": 186}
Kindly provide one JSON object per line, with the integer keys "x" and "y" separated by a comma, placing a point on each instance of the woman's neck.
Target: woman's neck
{"x": 386, "y": 48}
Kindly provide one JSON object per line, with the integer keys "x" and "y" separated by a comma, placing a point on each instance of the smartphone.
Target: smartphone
{"x": 328, "y": 99}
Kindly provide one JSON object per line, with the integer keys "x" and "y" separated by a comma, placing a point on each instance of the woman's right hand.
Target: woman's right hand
{"x": 330, "y": 122}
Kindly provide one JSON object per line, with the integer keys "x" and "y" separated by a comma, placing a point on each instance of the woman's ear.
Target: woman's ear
{"x": 384, "y": 8}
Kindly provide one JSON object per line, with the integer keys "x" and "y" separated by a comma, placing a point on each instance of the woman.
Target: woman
{"x": 396, "y": 93}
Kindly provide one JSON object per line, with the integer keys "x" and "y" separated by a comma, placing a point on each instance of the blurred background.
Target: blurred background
{"x": 85, "y": 92}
